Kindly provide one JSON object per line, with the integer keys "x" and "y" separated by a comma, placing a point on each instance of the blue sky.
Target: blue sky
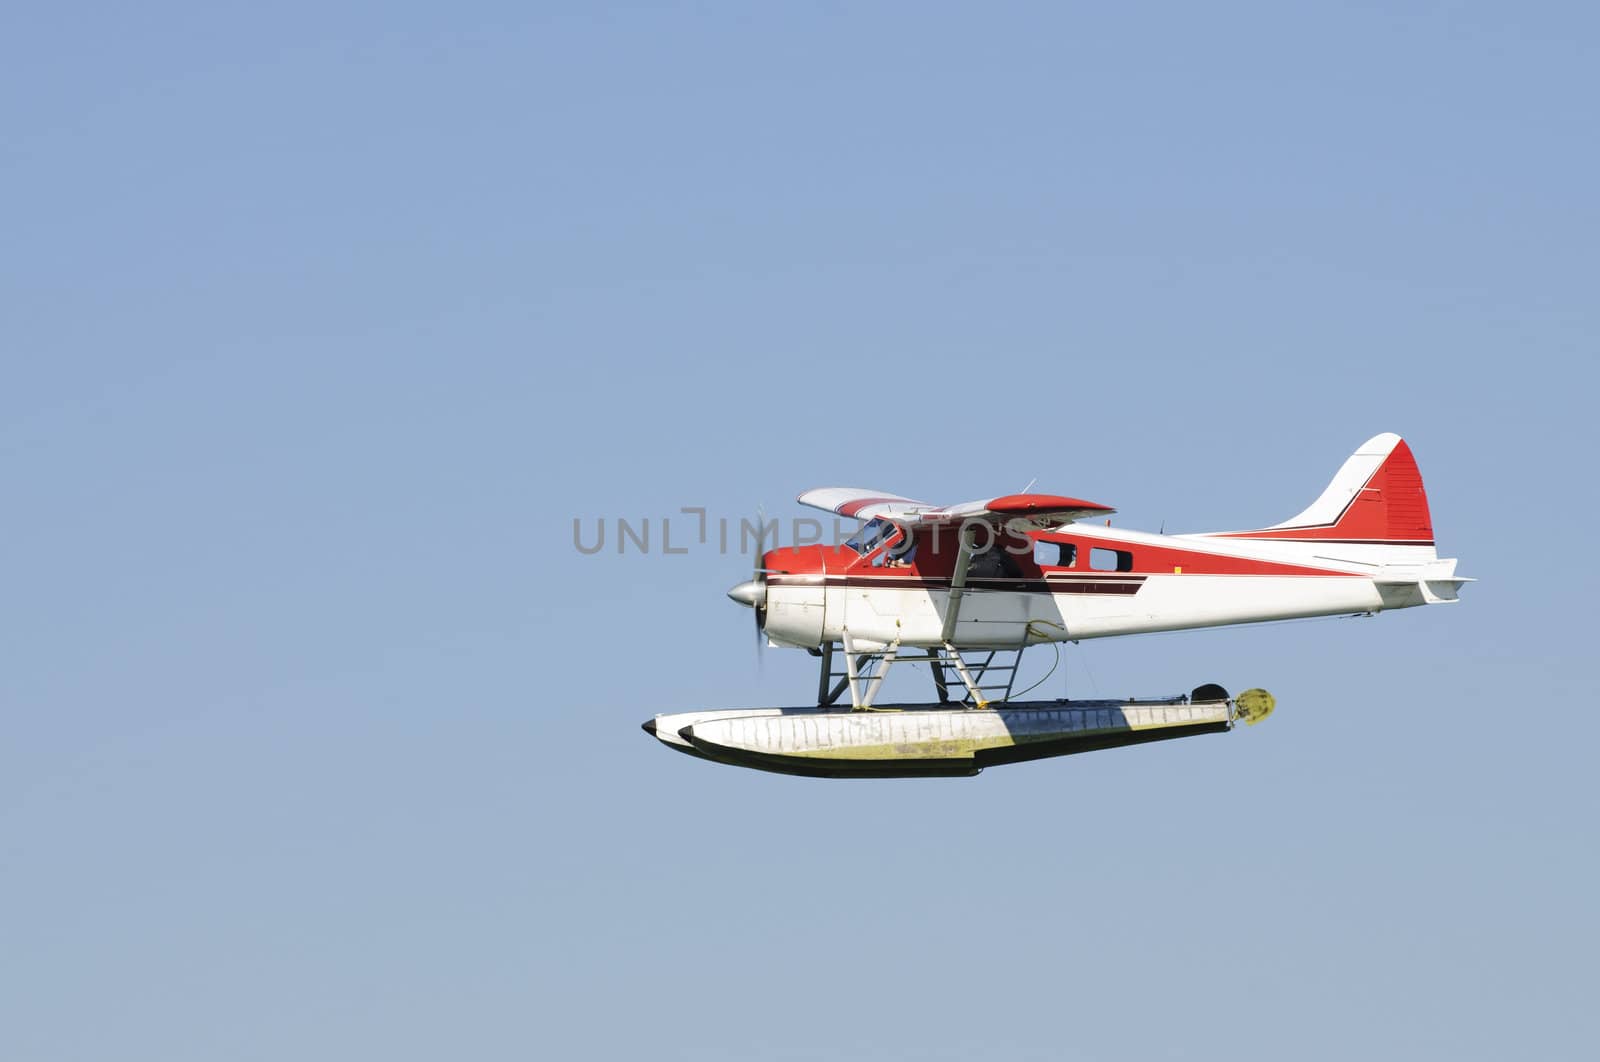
{"x": 322, "y": 323}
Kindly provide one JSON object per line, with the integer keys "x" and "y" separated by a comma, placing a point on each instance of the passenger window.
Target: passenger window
{"x": 1110, "y": 560}
{"x": 1053, "y": 554}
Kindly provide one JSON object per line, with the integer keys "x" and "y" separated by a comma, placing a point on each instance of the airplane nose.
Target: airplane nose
{"x": 748, "y": 593}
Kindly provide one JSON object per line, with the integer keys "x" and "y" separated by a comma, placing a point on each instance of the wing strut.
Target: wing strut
{"x": 958, "y": 583}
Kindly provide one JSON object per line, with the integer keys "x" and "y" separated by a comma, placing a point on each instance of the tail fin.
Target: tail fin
{"x": 1375, "y": 499}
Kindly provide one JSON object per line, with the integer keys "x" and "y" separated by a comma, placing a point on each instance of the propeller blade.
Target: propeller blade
{"x": 758, "y": 576}
{"x": 761, "y": 640}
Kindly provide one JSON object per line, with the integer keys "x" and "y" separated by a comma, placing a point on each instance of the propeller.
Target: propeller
{"x": 753, "y": 592}
{"x": 758, "y": 575}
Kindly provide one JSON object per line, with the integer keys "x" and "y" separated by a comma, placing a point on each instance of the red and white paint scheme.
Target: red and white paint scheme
{"x": 1024, "y": 569}
{"x": 967, "y": 588}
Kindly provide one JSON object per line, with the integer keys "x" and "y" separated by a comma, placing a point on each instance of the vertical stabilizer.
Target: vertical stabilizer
{"x": 1376, "y": 498}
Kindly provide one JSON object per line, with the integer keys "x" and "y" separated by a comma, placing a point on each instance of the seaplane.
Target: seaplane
{"x": 967, "y": 589}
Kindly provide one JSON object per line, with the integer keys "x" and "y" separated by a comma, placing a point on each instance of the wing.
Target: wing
{"x": 1040, "y": 511}
{"x": 859, "y": 504}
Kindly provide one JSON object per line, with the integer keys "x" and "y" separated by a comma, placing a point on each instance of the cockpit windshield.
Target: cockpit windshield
{"x": 871, "y": 536}
{"x": 890, "y": 544}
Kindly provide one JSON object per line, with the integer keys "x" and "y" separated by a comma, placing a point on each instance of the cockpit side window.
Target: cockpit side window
{"x": 901, "y": 553}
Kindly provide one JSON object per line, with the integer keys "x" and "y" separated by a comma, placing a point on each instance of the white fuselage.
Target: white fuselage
{"x": 886, "y": 606}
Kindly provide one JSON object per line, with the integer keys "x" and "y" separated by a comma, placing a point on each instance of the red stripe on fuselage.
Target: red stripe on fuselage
{"x": 1160, "y": 557}
{"x": 1164, "y": 559}
{"x": 1086, "y": 585}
